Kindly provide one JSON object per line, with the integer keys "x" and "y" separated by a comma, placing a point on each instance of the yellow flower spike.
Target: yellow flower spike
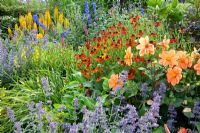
{"x": 39, "y": 36}
{"x": 35, "y": 26}
{"x": 56, "y": 13}
{"x": 66, "y": 23}
{"x": 36, "y": 55}
{"x": 16, "y": 27}
{"x": 48, "y": 18}
{"x": 60, "y": 19}
{"x": 9, "y": 32}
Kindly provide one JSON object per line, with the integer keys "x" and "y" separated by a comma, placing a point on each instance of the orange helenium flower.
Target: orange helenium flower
{"x": 168, "y": 58}
{"x": 165, "y": 43}
{"x": 182, "y": 130}
{"x": 115, "y": 82}
{"x": 197, "y": 67}
{"x": 184, "y": 61}
{"x": 128, "y": 57}
{"x": 174, "y": 75}
{"x": 145, "y": 47}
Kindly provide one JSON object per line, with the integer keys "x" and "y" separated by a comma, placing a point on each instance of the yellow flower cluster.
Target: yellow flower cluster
{"x": 26, "y": 22}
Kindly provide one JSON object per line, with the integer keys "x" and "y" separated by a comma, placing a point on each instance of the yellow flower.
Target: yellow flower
{"x": 35, "y": 26}
{"x": 60, "y": 19}
{"x": 22, "y": 22}
{"x": 48, "y": 18}
{"x": 39, "y": 36}
{"x": 9, "y": 32}
{"x": 29, "y": 21}
{"x": 66, "y": 23}
{"x": 36, "y": 55}
{"x": 16, "y": 27}
{"x": 56, "y": 13}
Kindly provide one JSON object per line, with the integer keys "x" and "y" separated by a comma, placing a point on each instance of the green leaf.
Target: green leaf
{"x": 105, "y": 85}
{"x": 56, "y": 105}
{"x": 131, "y": 89}
{"x": 174, "y": 3}
{"x": 59, "y": 28}
{"x": 198, "y": 126}
{"x": 188, "y": 114}
{"x": 141, "y": 68}
{"x": 159, "y": 130}
{"x": 86, "y": 101}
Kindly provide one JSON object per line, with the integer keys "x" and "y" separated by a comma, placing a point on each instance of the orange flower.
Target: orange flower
{"x": 174, "y": 75}
{"x": 114, "y": 82}
{"x": 165, "y": 43}
{"x": 128, "y": 57}
{"x": 197, "y": 67}
{"x": 145, "y": 47}
{"x": 182, "y": 130}
{"x": 168, "y": 58}
{"x": 183, "y": 60}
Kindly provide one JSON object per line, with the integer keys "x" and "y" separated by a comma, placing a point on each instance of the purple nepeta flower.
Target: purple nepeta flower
{"x": 53, "y": 126}
{"x": 162, "y": 90}
{"x": 144, "y": 89}
{"x": 73, "y": 128}
{"x": 18, "y": 128}
{"x": 31, "y": 106}
{"x": 11, "y": 114}
{"x": 76, "y": 104}
{"x": 45, "y": 86}
{"x": 150, "y": 118}
{"x": 129, "y": 122}
{"x": 61, "y": 108}
{"x": 123, "y": 76}
{"x": 142, "y": 11}
{"x": 66, "y": 127}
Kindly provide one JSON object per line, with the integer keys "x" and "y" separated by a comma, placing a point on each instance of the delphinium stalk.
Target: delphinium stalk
{"x": 196, "y": 112}
{"x": 172, "y": 118}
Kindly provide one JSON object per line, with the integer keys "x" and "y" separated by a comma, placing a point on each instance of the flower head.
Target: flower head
{"x": 168, "y": 58}
{"x": 115, "y": 82}
{"x": 145, "y": 46}
{"x": 183, "y": 60}
{"x": 174, "y": 75}
{"x": 128, "y": 57}
{"x": 197, "y": 67}
{"x": 165, "y": 43}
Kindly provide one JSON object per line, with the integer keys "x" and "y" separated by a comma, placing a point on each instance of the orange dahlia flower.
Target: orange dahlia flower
{"x": 174, "y": 75}
{"x": 184, "y": 61}
{"x": 115, "y": 82}
{"x": 165, "y": 43}
{"x": 145, "y": 47}
{"x": 128, "y": 57}
{"x": 182, "y": 130}
{"x": 168, "y": 58}
{"x": 197, "y": 67}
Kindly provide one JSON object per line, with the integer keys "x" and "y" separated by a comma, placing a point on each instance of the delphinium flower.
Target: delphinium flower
{"x": 94, "y": 6}
{"x": 129, "y": 121}
{"x": 18, "y": 128}
{"x": 142, "y": 11}
{"x": 172, "y": 118}
{"x": 87, "y": 10}
{"x": 45, "y": 86}
{"x": 53, "y": 127}
{"x": 196, "y": 112}
{"x": 11, "y": 114}
{"x": 36, "y": 20}
{"x": 144, "y": 90}
{"x": 150, "y": 118}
